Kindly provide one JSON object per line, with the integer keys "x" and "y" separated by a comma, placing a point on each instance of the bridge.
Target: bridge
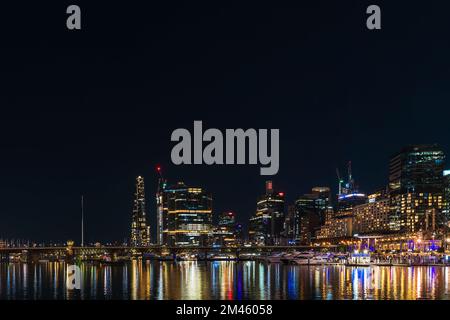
{"x": 70, "y": 252}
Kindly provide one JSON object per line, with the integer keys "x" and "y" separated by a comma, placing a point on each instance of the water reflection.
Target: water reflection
{"x": 143, "y": 280}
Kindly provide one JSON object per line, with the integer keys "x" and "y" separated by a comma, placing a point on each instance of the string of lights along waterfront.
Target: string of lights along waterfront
{"x": 390, "y": 243}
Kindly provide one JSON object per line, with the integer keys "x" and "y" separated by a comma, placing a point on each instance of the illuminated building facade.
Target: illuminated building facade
{"x": 373, "y": 216}
{"x": 140, "y": 230}
{"x": 225, "y": 232}
{"x": 446, "y": 206}
{"x": 416, "y": 185}
{"x": 189, "y": 216}
{"x": 161, "y": 210}
{"x": 266, "y": 226}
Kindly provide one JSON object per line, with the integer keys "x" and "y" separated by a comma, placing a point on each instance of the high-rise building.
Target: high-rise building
{"x": 186, "y": 216}
{"x": 310, "y": 211}
{"x": 289, "y": 225}
{"x": 224, "y": 233}
{"x": 161, "y": 209}
{"x": 266, "y": 226}
{"x": 140, "y": 230}
{"x": 446, "y": 206}
{"x": 417, "y": 169}
{"x": 416, "y": 185}
{"x": 239, "y": 233}
{"x": 373, "y": 217}
{"x": 327, "y": 230}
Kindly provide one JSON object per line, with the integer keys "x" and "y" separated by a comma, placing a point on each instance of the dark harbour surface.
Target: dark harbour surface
{"x": 224, "y": 280}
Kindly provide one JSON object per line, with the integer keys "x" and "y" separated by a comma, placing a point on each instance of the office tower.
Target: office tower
{"x": 140, "y": 231}
{"x": 289, "y": 225}
{"x": 224, "y": 234}
{"x": 189, "y": 216}
{"x": 310, "y": 211}
{"x": 227, "y": 220}
{"x": 266, "y": 226}
{"x": 161, "y": 209}
{"x": 239, "y": 233}
{"x": 416, "y": 185}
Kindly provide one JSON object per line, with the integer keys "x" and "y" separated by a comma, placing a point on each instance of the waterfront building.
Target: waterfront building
{"x": 188, "y": 220}
{"x": 416, "y": 185}
{"x": 310, "y": 212}
{"x": 266, "y": 226}
{"x": 446, "y": 199}
{"x": 373, "y": 217}
{"x": 140, "y": 230}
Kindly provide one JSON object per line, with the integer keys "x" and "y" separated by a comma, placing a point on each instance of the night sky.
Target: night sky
{"x": 85, "y": 112}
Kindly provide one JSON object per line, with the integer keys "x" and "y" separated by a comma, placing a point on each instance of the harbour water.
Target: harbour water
{"x": 195, "y": 280}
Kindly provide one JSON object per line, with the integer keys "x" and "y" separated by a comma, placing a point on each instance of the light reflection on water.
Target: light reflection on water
{"x": 142, "y": 280}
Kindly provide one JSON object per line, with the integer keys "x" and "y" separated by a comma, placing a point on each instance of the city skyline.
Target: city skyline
{"x": 336, "y": 91}
{"x": 141, "y": 198}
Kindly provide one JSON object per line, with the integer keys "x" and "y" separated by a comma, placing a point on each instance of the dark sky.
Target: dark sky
{"x": 85, "y": 112}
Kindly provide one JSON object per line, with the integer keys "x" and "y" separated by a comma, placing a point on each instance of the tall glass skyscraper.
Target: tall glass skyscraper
{"x": 310, "y": 210}
{"x": 266, "y": 226}
{"x": 140, "y": 230}
{"x": 186, "y": 216}
{"x": 416, "y": 185}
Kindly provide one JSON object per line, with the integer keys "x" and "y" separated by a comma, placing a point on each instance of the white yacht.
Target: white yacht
{"x": 319, "y": 259}
{"x": 274, "y": 258}
{"x": 287, "y": 257}
{"x": 310, "y": 259}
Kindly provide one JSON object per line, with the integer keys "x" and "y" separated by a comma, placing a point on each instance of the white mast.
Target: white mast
{"x": 82, "y": 222}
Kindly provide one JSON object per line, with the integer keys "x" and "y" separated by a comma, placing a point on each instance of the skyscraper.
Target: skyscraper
{"x": 161, "y": 209}
{"x": 416, "y": 185}
{"x": 310, "y": 211}
{"x": 417, "y": 168}
{"x": 140, "y": 231}
{"x": 266, "y": 226}
{"x": 187, "y": 221}
{"x": 289, "y": 225}
{"x": 225, "y": 233}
